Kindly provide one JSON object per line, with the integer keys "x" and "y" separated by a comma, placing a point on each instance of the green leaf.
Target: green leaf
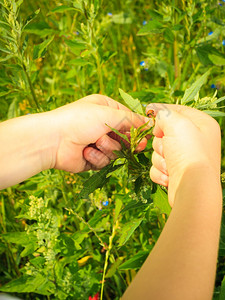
{"x": 96, "y": 221}
{"x": 118, "y": 207}
{"x": 135, "y": 262}
{"x": 214, "y": 113}
{"x": 219, "y": 100}
{"x": 21, "y": 238}
{"x": 61, "y": 9}
{"x": 222, "y": 291}
{"x": 155, "y": 14}
{"x": 5, "y": 50}
{"x": 24, "y": 284}
{"x": 123, "y": 136}
{"x": 194, "y": 89}
{"x": 137, "y": 184}
{"x": 112, "y": 270}
{"x": 168, "y": 35}
{"x": 208, "y": 55}
{"x": 151, "y": 27}
{"x": 121, "y": 18}
{"x": 40, "y": 50}
{"x": 78, "y": 62}
{"x": 127, "y": 230}
{"x": 39, "y": 28}
{"x": 133, "y": 104}
{"x": 76, "y": 46}
{"x": 160, "y": 200}
{"x": 135, "y": 205}
{"x": 31, "y": 18}
{"x": 97, "y": 180}
{"x": 218, "y": 60}
{"x": 29, "y": 248}
{"x": 13, "y": 109}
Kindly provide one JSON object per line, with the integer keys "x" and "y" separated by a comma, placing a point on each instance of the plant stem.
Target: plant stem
{"x": 115, "y": 226}
{"x": 99, "y": 71}
{"x": 31, "y": 88}
{"x": 88, "y": 225}
{"x": 176, "y": 60}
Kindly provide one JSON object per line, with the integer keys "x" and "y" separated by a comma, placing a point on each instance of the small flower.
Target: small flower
{"x": 144, "y": 22}
{"x": 223, "y": 0}
{"x": 146, "y": 69}
{"x": 213, "y": 86}
{"x": 220, "y": 4}
{"x": 223, "y": 42}
{"x": 95, "y": 297}
{"x": 109, "y": 14}
{"x": 210, "y": 33}
{"x": 105, "y": 203}
{"x": 142, "y": 63}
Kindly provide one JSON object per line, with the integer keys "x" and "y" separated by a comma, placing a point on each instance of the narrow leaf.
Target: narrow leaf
{"x": 160, "y": 200}
{"x": 97, "y": 180}
{"x": 133, "y": 104}
{"x": 194, "y": 89}
{"x": 123, "y": 136}
{"x": 214, "y": 113}
{"x": 135, "y": 262}
{"x": 40, "y": 50}
{"x": 118, "y": 208}
{"x": 127, "y": 230}
{"x": 151, "y": 27}
{"x": 61, "y": 9}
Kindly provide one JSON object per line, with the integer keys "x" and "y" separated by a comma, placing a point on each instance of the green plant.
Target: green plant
{"x": 68, "y": 236}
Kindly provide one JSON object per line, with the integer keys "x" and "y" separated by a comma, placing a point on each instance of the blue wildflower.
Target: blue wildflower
{"x": 142, "y": 63}
{"x": 146, "y": 69}
{"x": 223, "y": 42}
{"x": 144, "y": 22}
{"x": 105, "y": 203}
{"x": 213, "y": 86}
{"x": 220, "y": 4}
{"x": 223, "y": 0}
{"x": 210, "y": 33}
{"x": 109, "y": 14}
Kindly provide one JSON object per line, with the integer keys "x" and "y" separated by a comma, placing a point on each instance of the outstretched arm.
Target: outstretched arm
{"x": 60, "y": 138}
{"x": 186, "y": 158}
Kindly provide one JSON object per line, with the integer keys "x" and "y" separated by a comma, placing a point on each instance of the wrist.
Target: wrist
{"x": 47, "y": 139}
{"x": 197, "y": 179}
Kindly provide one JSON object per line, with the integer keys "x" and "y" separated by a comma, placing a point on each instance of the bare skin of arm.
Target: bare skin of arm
{"x": 60, "y": 138}
{"x": 186, "y": 158}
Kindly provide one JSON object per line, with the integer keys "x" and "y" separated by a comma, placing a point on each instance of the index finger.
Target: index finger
{"x": 105, "y": 101}
{"x": 199, "y": 118}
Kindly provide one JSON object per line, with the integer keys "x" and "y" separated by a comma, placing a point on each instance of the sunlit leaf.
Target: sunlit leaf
{"x": 127, "y": 230}
{"x": 135, "y": 262}
{"x": 160, "y": 200}
{"x": 133, "y": 104}
{"x": 195, "y": 88}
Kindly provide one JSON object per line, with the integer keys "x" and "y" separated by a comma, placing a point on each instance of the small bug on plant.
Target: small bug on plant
{"x": 150, "y": 113}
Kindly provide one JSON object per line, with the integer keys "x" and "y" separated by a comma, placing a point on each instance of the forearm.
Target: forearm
{"x": 26, "y": 147}
{"x": 182, "y": 265}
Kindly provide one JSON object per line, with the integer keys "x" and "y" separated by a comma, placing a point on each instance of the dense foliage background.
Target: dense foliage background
{"x": 63, "y": 237}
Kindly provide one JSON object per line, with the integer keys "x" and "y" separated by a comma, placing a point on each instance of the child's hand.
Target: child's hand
{"x": 184, "y": 138}
{"x": 82, "y": 123}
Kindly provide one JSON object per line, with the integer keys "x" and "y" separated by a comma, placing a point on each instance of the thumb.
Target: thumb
{"x": 167, "y": 120}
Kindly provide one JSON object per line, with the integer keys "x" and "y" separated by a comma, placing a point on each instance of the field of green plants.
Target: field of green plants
{"x": 85, "y": 236}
